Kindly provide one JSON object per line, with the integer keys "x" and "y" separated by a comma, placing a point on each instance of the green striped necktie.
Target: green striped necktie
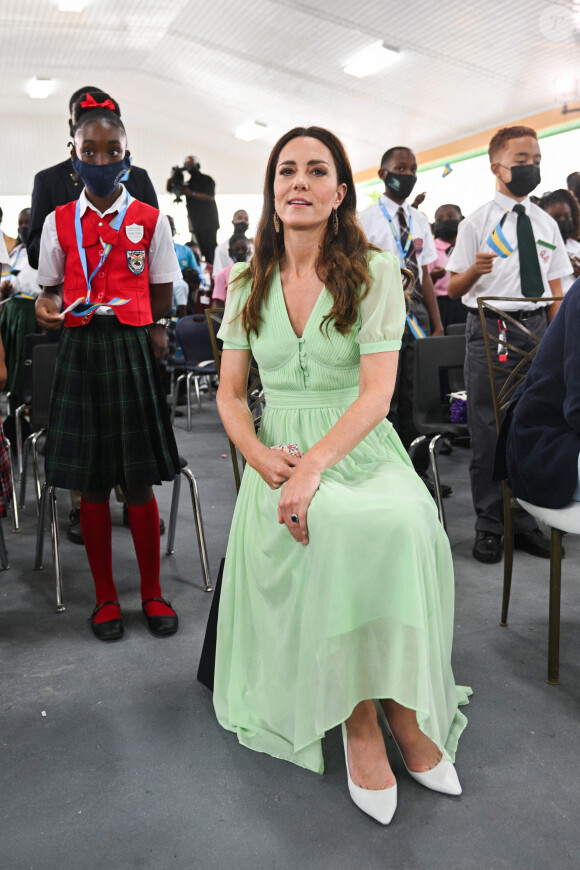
{"x": 530, "y": 272}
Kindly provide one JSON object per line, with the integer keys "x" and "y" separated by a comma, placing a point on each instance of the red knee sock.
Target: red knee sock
{"x": 144, "y": 525}
{"x": 96, "y": 529}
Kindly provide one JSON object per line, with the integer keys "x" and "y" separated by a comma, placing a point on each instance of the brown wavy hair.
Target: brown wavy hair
{"x": 342, "y": 263}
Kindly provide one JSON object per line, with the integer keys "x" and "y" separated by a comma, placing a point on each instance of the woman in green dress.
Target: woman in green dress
{"x": 338, "y": 595}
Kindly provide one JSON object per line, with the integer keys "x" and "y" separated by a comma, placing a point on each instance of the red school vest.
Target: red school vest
{"x": 125, "y": 273}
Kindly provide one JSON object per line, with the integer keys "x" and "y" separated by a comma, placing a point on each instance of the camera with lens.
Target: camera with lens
{"x": 176, "y": 183}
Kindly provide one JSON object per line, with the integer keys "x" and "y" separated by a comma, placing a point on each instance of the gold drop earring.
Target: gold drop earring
{"x": 335, "y": 221}
{"x": 276, "y": 222}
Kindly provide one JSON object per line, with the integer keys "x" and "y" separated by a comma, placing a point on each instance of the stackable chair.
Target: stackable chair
{"x": 196, "y": 505}
{"x": 42, "y": 374}
{"x": 194, "y": 340}
{"x": 566, "y": 519}
{"x": 254, "y": 392}
{"x": 30, "y": 342}
{"x": 438, "y": 371}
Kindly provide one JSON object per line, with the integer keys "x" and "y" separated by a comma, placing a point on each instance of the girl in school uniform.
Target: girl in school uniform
{"x": 112, "y": 257}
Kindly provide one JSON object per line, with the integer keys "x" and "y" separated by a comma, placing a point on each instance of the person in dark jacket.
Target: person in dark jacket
{"x": 539, "y": 443}
{"x": 59, "y": 184}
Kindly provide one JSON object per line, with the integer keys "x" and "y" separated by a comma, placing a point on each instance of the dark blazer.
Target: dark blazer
{"x": 58, "y": 185}
{"x": 539, "y": 442}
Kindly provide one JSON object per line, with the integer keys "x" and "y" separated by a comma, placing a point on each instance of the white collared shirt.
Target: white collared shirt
{"x": 573, "y": 250}
{"x": 163, "y": 265}
{"x": 4, "y": 258}
{"x": 379, "y": 232}
{"x": 504, "y": 279}
{"x": 24, "y": 281}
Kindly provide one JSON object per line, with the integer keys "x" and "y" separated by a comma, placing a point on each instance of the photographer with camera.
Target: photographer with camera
{"x": 199, "y": 192}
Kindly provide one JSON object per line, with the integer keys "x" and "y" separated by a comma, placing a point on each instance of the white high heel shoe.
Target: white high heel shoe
{"x": 378, "y": 803}
{"x": 442, "y": 778}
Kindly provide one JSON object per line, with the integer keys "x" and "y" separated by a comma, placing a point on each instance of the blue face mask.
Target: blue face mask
{"x": 103, "y": 179}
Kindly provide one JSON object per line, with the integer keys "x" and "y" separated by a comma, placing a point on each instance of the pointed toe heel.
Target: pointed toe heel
{"x": 442, "y": 778}
{"x": 380, "y": 804}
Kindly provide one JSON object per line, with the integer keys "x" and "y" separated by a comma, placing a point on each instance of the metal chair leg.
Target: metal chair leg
{"x": 56, "y": 548}
{"x": 414, "y": 444}
{"x": 197, "y": 393}
{"x": 39, "y": 557}
{"x": 18, "y": 418}
{"x": 199, "y": 528}
{"x": 434, "y": 468}
{"x": 15, "y": 518}
{"x": 508, "y": 551}
{"x": 34, "y": 449}
{"x": 3, "y": 552}
{"x": 554, "y": 610}
{"x": 175, "y": 396}
{"x": 188, "y": 390}
{"x": 23, "y": 471}
{"x": 173, "y": 515}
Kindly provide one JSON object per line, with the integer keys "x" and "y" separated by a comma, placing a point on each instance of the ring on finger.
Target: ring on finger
{"x": 294, "y": 518}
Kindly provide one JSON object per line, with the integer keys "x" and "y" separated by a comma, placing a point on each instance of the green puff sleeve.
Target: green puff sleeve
{"x": 231, "y": 331}
{"x": 383, "y": 309}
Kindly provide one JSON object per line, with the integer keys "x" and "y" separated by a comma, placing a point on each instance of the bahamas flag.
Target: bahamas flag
{"x": 498, "y": 242}
{"x": 447, "y": 170}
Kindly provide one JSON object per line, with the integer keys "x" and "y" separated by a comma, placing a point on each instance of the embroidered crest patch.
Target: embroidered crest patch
{"x": 134, "y": 233}
{"x": 136, "y": 261}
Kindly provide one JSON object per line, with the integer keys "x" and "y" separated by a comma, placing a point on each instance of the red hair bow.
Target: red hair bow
{"x": 91, "y": 103}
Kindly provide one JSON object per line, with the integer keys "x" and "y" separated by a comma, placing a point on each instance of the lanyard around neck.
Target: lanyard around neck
{"x": 403, "y": 251}
{"x": 115, "y": 224}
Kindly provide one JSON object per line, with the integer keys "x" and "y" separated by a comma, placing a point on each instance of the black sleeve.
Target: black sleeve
{"x": 40, "y": 207}
{"x": 140, "y": 186}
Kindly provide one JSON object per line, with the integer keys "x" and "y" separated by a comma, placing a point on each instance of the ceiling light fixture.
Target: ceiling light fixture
{"x": 370, "y": 60}
{"x": 250, "y": 130}
{"x": 40, "y": 89}
{"x": 71, "y": 5}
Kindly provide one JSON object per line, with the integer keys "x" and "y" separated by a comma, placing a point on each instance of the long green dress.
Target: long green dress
{"x": 365, "y": 610}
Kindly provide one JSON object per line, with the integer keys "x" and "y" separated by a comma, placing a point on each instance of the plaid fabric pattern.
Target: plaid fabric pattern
{"x": 109, "y": 421}
{"x": 5, "y": 476}
{"x": 17, "y": 319}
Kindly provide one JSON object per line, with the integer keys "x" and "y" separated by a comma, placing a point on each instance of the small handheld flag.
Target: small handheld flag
{"x": 87, "y": 309}
{"x": 447, "y": 170}
{"x": 498, "y": 242}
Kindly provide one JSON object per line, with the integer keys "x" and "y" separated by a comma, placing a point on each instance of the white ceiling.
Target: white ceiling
{"x": 187, "y": 73}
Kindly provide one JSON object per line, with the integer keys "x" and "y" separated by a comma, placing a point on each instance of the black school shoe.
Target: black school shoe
{"x": 112, "y": 629}
{"x": 74, "y": 532}
{"x": 487, "y": 547}
{"x": 161, "y": 626}
{"x": 534, "y": 542}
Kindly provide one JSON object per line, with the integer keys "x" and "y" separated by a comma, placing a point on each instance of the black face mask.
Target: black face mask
{"x": 524, "y": 179}
{"x": 445, "y": 230}
{"x": 566, "y": 226}
{"x": 241, "y": 227}
{"x": 400, "y": 185}
{"x": 23, "y": 234}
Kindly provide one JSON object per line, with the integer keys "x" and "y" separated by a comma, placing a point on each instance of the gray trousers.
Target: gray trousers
{"x": 401, "y": 410}
{"x": 487, "y": 495}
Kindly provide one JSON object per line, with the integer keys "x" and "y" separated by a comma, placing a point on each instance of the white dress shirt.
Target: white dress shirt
{"x": 25, "y": 279}
{"x": 378, "y": 230}
{"x": 573, "y": 250}
{"x": 163, "y": 265}
{"x": 504, "y": 279}
{"x": 4, "y": 258}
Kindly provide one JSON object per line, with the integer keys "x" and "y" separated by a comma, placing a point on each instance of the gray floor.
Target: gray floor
{"x": 112, "y": 758}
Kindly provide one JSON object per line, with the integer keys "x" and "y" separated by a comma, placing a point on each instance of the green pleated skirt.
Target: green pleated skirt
{"x": 109, "y": 421}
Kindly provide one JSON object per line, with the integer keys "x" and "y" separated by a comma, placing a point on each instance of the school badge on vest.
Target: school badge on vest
{"x": 134, "y": 233}
{"x": 136, "y": 260}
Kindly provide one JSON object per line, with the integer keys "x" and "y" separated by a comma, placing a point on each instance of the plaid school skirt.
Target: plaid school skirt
{"x": 109, "y": 421}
